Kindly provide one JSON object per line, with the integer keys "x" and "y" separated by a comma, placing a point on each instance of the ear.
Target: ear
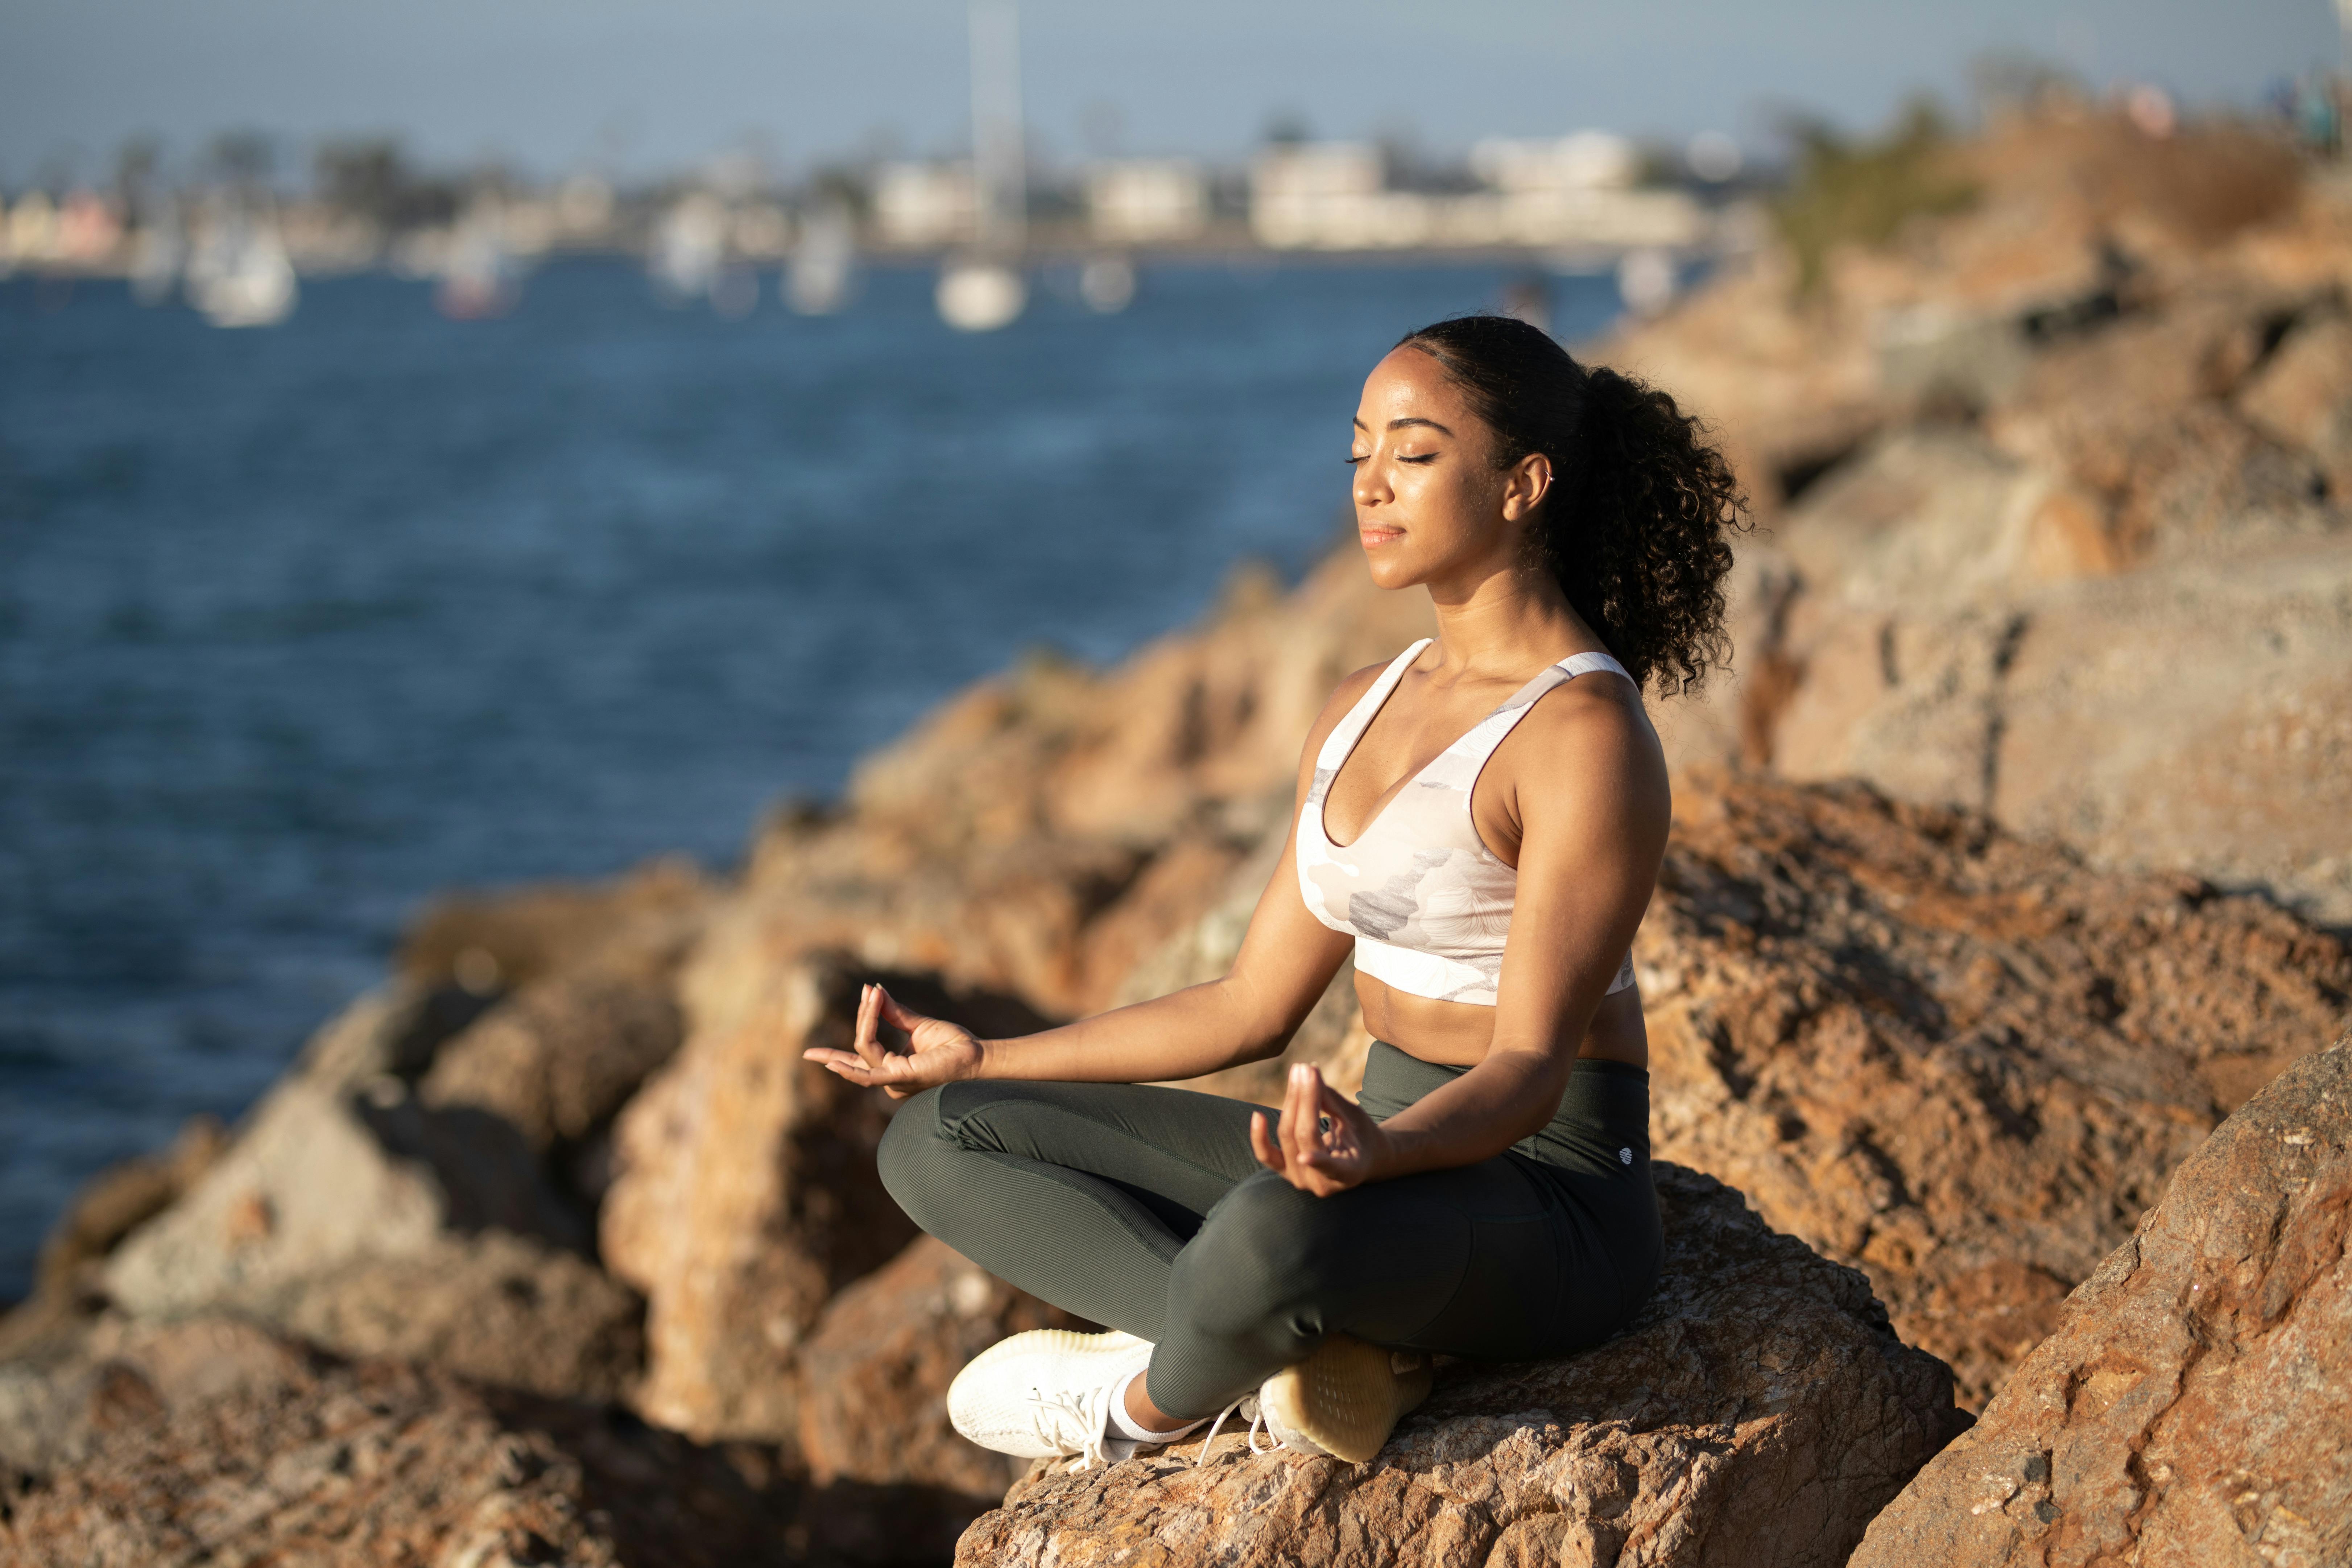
{"x": 1525, "y": 485}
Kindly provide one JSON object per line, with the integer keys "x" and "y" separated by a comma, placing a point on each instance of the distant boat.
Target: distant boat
{"x": 158, "y": 250}
{"x": 689, "y": 250}
{"x": 818, "y": 276}
{"x": 478, "y": 279}
{"x": 983, "y": 291}
{"x": 981, "y": 296}
{"x": 1106, "y": 284}
{"x": 239, "y": 274}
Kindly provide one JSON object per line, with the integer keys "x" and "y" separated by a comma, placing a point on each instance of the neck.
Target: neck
{"x": 1505, "y": 623}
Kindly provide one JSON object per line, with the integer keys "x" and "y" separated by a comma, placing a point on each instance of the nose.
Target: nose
{"x": 1371, "y": 486}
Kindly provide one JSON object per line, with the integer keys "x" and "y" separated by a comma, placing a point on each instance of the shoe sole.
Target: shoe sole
{"x": 1346, "y": 1398}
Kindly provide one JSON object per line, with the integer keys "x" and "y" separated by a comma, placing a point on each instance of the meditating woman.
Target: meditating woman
{"x": 1480, "y": 822}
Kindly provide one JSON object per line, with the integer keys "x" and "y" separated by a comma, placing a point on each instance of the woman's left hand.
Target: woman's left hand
{"x": 1321, "y": 1142}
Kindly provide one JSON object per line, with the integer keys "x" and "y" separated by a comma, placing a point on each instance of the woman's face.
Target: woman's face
{"x": 1430, "y": 503}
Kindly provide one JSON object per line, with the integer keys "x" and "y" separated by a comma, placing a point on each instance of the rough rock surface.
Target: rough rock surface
{"x": 2195, "y": 1405}
{"x": 875, "y": 1375}
{"x": 747, "y": 1193}
{"x": 208, "y": 1441}
{"x": 1759, "y": 1413}
{"x": 1963, "y": 1062}
{"x": 341, "y": 1188}
{"x": 559, "y": 1058}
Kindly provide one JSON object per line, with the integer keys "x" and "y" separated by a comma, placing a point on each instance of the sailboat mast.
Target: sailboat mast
{"x": 998, "y": 178}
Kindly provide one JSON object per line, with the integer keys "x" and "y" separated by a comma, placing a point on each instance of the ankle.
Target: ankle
{"x": 1147, "y": 1424}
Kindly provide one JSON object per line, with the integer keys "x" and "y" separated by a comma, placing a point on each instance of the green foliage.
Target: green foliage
{"x": 1861, "y": 192}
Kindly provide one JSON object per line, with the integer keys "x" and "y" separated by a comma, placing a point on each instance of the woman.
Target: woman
{"x": 1481, "y": 822}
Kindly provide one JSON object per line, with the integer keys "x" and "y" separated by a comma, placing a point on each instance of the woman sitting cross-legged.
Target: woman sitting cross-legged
{"x": 1481, "y": 822}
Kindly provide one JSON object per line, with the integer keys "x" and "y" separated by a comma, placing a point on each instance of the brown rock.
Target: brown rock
{"x": 875, "y": 1375}
{"x": 747, "y": 1193}
{"x": 2303, "y": 395}
{"x": 559, "y": 1058}
{"x": 2191, "y": 1407}
{"x": 1758, "y": 1413}
{"x": 209, "y": 1442}
{"x": 497, "y": 941}
{"x": 1961, "y": 1062}
{"x": 494, "y": 1308}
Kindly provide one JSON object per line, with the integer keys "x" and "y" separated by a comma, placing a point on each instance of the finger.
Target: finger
{"x": 900, "y": 1017}
{"x": 868, "y": 1039}
{"x": 1298, "y": 1117}
{"x": 1262, "y": 1143}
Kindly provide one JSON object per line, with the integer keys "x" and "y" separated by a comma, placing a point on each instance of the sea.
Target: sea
{"x": 301, "y": 626}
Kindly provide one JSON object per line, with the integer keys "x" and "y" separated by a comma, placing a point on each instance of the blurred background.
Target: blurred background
{"x": 451, "y": 444}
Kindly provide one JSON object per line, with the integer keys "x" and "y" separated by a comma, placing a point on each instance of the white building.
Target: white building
{"x": 1140, "y": 201}
{"x": 1575, "y": 194}
{"x": 921, "y": 205}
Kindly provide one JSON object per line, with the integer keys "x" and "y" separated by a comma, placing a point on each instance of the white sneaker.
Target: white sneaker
{"x": 1046, "y": 1393}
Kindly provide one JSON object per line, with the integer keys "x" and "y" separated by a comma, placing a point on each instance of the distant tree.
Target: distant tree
{"x": 1861, "y": 192}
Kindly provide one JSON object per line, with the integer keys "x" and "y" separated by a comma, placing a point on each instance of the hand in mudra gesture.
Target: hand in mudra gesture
{"x": 937, "y": 1051}
{"x": 1321, "y": 1142}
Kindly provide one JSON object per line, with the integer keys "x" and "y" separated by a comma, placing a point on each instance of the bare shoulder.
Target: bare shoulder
{"x": 1589, "y": 734}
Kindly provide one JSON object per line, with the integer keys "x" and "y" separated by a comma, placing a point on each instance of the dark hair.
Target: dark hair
{"x": 1637, "y": 525}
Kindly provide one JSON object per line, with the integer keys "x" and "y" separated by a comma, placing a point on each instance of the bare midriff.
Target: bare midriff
{"x": 1456, "y": 1033}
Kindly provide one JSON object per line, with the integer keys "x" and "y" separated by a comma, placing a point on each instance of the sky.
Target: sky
{"x": 633, "y": 87}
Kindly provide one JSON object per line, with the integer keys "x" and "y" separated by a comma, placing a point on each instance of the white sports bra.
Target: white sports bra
{"x": 1428, "y": 904}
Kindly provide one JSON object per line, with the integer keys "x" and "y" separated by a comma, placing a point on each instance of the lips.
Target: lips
{"x": 1374, "y": 537}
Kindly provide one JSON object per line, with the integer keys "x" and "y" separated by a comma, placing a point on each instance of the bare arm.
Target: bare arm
{"x": 1594, "y": 809}
{"x": 1287, "y": 957}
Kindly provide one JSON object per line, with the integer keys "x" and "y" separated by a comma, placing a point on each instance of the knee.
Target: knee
{"x": 1259, "y": 1256}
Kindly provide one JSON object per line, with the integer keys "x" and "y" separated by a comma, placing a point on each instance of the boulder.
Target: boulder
{"x": 874, "y": 1380}
{"x": 211, "y": 1442}
{"x": 1960, "y": 1061}
{"x": 489, "y": 943}
{"x": 1758, "y": 1413}
{"x": 746, "y": 1192}
{"x": 2191, "y": 1406}
{"x": 341, "y": 1188}
{"x": 557, "y": 1061}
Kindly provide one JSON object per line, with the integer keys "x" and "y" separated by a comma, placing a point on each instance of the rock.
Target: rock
{"x": 489, "y": 942}
{"x": 873, "y": 1376}
{"x": 1961, "y": 1062}
{"x": 324, "y": 1172}
{"x": 2303, "y": 395}
{"x": 347, "y": 1212}
{"x": 747, "y": 1193}
{"x": 2193, "y": 718}
{"x": 1760, "y": 1412}
{"x": 493, "y": 1308}
{"x": 2191, "y": 1407}
{"x": 559, "y": 1058}
{"x": 210, "y": 1442}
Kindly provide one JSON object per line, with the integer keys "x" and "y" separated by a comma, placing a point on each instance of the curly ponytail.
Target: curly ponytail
{"x": 1637, "y": 526}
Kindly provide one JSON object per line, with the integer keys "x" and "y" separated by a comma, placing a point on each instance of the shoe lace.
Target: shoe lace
{"x": 1248, "y": 1404}
{"x": 1076, "y": 1421}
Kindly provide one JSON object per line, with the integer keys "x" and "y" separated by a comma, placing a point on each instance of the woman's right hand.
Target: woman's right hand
{"x": 938, "y": 1051}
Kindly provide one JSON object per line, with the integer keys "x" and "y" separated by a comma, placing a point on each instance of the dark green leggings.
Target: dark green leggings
{"x": 1143, "y": 1208}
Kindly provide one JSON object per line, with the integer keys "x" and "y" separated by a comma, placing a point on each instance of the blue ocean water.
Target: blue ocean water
{"x": 300, "y": 625}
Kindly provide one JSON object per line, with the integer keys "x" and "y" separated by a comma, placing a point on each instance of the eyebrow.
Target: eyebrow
{"x": 1400, "y": 424}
